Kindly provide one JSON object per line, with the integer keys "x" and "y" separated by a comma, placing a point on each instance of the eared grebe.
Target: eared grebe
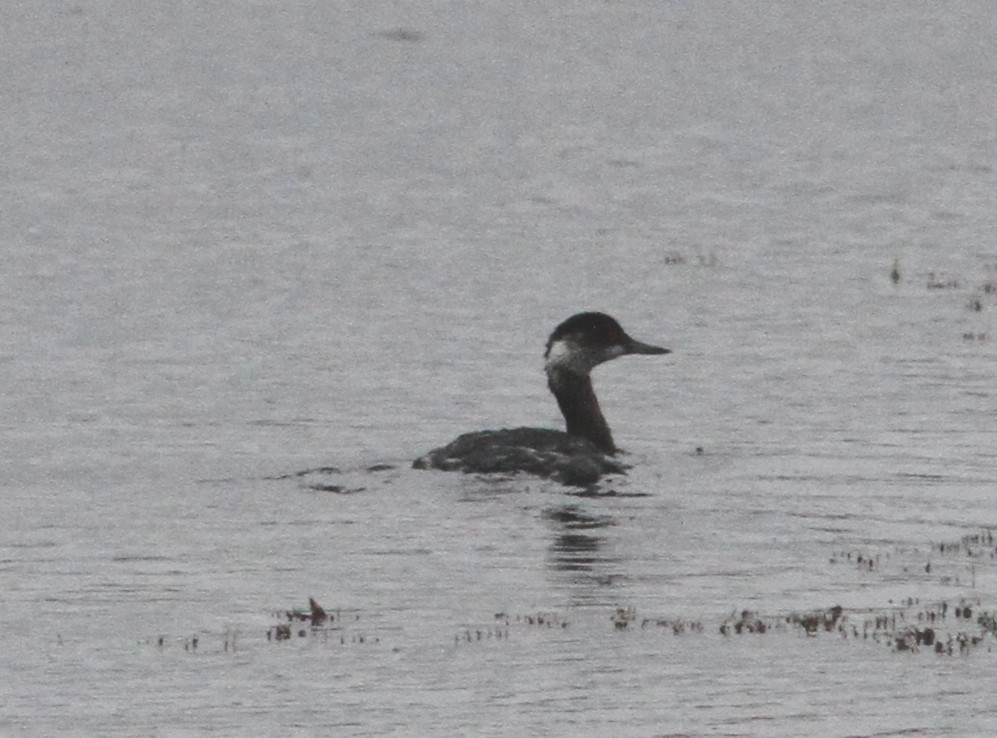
{"x": 584, "y": 453}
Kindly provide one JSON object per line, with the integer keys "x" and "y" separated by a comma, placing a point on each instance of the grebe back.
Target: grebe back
{"x": 582, "y": 454}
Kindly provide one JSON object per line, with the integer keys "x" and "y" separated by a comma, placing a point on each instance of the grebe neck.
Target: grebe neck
{"x": 580, "y": 407}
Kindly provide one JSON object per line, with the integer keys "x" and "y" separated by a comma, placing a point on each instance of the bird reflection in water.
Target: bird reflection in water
{"x": 577, "y": 542}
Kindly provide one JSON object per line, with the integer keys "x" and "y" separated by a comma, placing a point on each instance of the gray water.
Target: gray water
{"x": 244, "y": 241}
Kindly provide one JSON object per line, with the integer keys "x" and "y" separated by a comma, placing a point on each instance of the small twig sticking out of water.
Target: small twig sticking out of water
{"x": 316, "y": 612}
{"x": 895, "y": 272}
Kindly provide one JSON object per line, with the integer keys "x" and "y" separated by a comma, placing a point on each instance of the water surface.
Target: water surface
{"x": 249, "y": 240}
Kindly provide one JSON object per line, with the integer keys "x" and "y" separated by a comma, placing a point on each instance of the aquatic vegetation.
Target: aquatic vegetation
{"x": 623, "y": 617}
{"x": 981, "y": 293}
{"x": 315, "y": 614}
{"x": 942, "y": 282}
{"x": 679, "y": 258}
{"x": 942, "y": 625}
{"x": 321, "y": 623}
{"x": 861, "y": 559}
{"x": 504, "y": 624}
{"x": 468, "y": 635}
{"x": 906, "y": 627}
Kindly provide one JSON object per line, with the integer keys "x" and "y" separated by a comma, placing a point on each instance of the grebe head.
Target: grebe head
{"x": 585, "y": 340}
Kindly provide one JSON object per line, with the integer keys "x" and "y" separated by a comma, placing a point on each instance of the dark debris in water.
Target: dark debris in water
{"x": 944, "y": 628}
{"x": 951, "y": 562}
{"x": 982, "y": 293}
{"x": 861, "y": 559}
{"x": 680, "y": 258}
{"x": 504, "y": 623}
{"x": 402, "y": 35}
{"x": 314, "y": 622}
{"x": 320, "y": 622}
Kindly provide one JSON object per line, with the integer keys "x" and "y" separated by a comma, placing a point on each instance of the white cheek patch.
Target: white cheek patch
{"x": 567, "y": 355}
{"x": 560, "y": 353}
